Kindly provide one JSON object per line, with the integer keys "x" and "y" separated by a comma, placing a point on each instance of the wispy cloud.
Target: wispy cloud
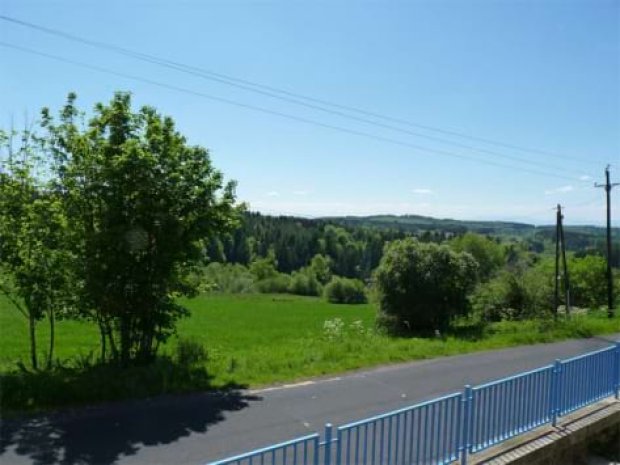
{"x": 301, "y": 192}
{"x": 560, "y": 190}
{"x": 585, "y": 177}
{"x": 273, "y": 194}
{"x": 420, "y": 191}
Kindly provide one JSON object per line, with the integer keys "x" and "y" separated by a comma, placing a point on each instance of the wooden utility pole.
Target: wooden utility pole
{"x": 566, "y": 280}
{"x": 556, "y": 295}
{"x": 610, "y": 282}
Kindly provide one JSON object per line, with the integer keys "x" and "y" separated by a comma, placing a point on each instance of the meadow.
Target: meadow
{"x": 256, "y": 340}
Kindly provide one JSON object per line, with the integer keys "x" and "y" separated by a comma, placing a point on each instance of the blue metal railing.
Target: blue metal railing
{"x": 443, "y": 430}
{"x": 424, "y": 433}
{"x": 587, "y": 379}
{"x": 509, "y": 407}
{"x": 300, "y": 451}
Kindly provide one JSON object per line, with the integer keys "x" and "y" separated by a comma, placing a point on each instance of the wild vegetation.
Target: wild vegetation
{"x": 128, "y": 269}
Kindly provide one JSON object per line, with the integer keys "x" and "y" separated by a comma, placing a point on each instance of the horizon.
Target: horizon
{"x": 536, "y": 225}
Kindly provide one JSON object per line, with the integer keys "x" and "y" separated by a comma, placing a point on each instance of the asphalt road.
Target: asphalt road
{"x": 200, "y": 428}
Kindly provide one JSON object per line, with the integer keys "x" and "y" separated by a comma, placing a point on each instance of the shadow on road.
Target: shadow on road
{"x": 100, "y": 435}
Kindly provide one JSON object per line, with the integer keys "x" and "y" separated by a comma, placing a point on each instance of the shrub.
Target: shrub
{"x": 278, "y": 284}
{"x": 421, "y": 287}
{"x": 519, "y": 293}
{"x": 305, "y": 282}
{"x": 588, "y": 276}
{"x": 345, "y": 291}
{"x": 190, "y": 352}
{"x": 228, "y": 278}
{"x": 527, "y": 291}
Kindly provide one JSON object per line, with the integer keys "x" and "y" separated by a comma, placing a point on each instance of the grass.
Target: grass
{"x": 255, "y": 340}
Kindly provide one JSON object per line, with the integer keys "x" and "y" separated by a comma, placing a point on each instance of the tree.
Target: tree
{"x": 33, "y": 239}
{"x": 487, "y": 252}
{"x": 143, "y": 205}
{"x": 321, "y": 266}
{"x": 265, "y": 267}
{"x": 345, "y": 291}
{"x": 521, "y": 292}
{"x": 422, "y": 286}
{"x": 588, "y": 281}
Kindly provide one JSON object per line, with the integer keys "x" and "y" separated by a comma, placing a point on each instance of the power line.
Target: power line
{"x": 286, "y": 96}
{"x": 281, "y": 114}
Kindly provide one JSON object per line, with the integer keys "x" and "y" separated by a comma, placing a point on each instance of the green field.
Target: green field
{"x": 256, "y": 340}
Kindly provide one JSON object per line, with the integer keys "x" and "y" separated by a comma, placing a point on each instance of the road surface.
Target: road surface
{"x": 199, "y": 428}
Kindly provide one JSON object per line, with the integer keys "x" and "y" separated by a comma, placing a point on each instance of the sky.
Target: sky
{"x": 452, "y": 92}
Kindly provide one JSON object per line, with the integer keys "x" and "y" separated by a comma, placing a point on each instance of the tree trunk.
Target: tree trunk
{"x": 102, "y": 339}
{"x": 110, "y": 335}
{"x": 125, "y": 340}
{"x": 33, "y": 342}
{"x": 52, "y": 338}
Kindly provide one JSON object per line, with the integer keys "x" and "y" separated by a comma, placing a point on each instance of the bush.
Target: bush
{"x": 228, "y": 278}
{"x": 345, "y": 291}
{"x": 190, "y": 352}
{"x": 588, "y": 276}
{"x": 305, "y": 282}
{"x": 528, "y": 291}
{"x": 421, "y": 287}
{"x": 278, "y": 284}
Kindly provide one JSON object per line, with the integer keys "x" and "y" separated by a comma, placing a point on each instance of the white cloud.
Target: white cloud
{"x": 420, "y": 191}
{"x": 273, "y": 194}
{"x": 301, "y": 192}
{"x": 585, "y": 177}
{"x": 559, "y": 190}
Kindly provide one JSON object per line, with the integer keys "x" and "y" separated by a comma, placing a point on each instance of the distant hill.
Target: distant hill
{"x": 419, "y": 224}
{"x": 355, "y": 243}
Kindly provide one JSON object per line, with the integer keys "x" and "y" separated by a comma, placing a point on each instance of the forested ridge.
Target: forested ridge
{"x": 355, "y": 244}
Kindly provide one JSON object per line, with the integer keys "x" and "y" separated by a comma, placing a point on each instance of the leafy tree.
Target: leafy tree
{"x": 144, "y": 204}
{"x": 345, "y": 291}
{"x": 265, "y": 267}
{"x": 321, "y": 266}
{"x": 422, "y": 286}
{"x": 588, "y": 281}
{"x": 344, "y": 250}
{"x": 33, "y": 233}
{"x": 520, "y": 292}
{"x": 487, "y": 252}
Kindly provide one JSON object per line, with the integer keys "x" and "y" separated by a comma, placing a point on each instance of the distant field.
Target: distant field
{"x": 261, "y": 339}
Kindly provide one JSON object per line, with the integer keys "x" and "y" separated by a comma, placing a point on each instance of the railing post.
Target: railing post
{"x": 467, "y": 401}
{"x": 556, "y": 389}
{"x": 328, "y": 444}
{"x": 617, "y": 370}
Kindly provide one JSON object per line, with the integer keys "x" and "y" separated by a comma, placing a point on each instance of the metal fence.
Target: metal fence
{"x": 423, "y": 433}
{"x": 300, "y": 451}
{"x": 509, "y": 407}
{"x": 443, "y": 430}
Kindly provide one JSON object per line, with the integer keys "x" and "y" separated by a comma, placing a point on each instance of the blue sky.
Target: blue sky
{"x": 536, "y": 74}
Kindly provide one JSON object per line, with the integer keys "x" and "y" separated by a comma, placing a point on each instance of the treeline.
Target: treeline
{"x": 354, "y": 251}
{"x": 355, "y": 246}
{"x": 421, "y": 281}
